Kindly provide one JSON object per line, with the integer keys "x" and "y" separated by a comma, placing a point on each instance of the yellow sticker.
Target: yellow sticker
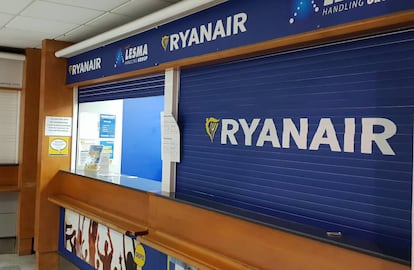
{"x": 139, "y": 257}
{"x": 58, "y": 146}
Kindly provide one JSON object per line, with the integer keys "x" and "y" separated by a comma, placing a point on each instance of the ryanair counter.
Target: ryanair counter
{"x": 295, "y": 140}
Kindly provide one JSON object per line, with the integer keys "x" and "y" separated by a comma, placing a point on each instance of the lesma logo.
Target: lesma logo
{"x": 267, "y": 133}
{"x": 338, "y": 6}
{"x": 131, "y": 55}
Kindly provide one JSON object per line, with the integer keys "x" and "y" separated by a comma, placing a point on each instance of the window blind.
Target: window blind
{"x": 9, "y": 122}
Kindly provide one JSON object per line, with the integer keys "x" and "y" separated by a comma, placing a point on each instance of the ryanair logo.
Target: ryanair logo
{"x": 222, "y": 28}
{"x": 164, "y": 42}
{"x": 260, "y": 132}
{"x": 86, "y": 66}
{"x": 211, "y": 127}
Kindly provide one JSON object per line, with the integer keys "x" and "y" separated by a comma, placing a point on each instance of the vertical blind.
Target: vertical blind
{"x": 355, "y": 178}
{"x": 9, "y": 122}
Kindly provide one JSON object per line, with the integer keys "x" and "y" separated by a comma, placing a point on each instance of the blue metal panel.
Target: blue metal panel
{"x": 141, "y": 137}
{"x": 364, "y": 195}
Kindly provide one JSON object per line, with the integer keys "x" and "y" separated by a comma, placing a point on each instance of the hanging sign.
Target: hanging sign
{"x": 226, "y": 26}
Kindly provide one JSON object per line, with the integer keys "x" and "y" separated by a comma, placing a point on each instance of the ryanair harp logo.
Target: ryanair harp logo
{"x": 211, "y": 127}
{"x": 164, "y": 42}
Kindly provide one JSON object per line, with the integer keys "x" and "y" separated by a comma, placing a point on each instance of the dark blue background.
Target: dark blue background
{"x": 367, "y": 197}
{"x": 267, "y": 20}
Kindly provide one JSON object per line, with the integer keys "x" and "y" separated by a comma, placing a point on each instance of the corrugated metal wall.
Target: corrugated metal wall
{"x": 357, "y": 90}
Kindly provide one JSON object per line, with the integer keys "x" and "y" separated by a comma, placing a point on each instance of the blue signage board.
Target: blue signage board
{"x": 226, "y": 26}
{"x": 107, "y": 126}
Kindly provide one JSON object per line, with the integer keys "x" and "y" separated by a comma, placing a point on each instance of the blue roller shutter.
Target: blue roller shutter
{"x": 134, "y": 88}
{"x": 363, "y": 193}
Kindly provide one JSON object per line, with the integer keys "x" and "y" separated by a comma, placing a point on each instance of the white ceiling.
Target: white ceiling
{"x": 25, "y": 23}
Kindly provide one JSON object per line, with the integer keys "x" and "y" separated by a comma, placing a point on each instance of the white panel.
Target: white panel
{"x": 59, "y": 19}
{"x": 78, "y": 34}
{"x": 171, "y": 93}
{"x": 9, "y": 121}
{"x": 48, "y": 28}
{"x": 15, "y": 6}
{"x": 4, "y": 18}
{"x": 11, "y": 73}
{"x": 103, "y": 5}
{"x": 11, "y": 33}
{"x": 12, "y": 38}
{"x": 139, "y": 8}
{"x": 60, "y": 13}
{"x": 109, "y": 21}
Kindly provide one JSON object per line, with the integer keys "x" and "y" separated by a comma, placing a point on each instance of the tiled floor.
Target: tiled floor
{"x": 11, "y": 261}
{"x": 15, "y": 262}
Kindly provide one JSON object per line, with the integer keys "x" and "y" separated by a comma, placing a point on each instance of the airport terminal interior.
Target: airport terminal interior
{"x": 206, "y": 134}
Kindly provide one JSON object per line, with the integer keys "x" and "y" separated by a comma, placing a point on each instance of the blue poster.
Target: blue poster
{"x": 107, "y": 126}
{"x": 108, "y": 147}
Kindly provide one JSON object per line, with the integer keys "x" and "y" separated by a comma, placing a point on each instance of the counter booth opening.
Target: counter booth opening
{"x": 119, "y": 131}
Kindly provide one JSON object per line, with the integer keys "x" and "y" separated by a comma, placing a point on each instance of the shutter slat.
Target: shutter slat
{"x": 136, "y": 88}
{"x": 365, "y": 196}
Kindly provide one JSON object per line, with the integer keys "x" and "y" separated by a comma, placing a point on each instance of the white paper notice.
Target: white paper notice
{"x": 58, "y": 126}
{"x": 170, "y": 139}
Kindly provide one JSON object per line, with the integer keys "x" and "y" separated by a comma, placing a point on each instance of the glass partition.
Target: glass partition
{"x": 120, "y": 137}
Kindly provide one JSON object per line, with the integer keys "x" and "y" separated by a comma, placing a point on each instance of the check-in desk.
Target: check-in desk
{"x": 102, "y": 223}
